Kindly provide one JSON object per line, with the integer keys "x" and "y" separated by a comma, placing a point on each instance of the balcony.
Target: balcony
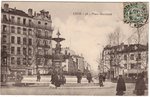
{"x": 48, "y": 37}
{"x": 39, "y": 55}
{"x": 4, "y": 42}
{"x": 43, "y": 27}
{"x": 15, "y": 23}
{"x": 27, "y": 25}
{"x": 39, "y": 36}
{"x": 48, "y": 56}
{"x": 43, "y": 37}
{"x": 43, "y": 46}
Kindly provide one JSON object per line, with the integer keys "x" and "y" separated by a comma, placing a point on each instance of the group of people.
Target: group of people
{"x": 56, "y": 79}
{"x": 140, "y": 85}
{"x": 59, "y": 79}
{"x": 88, "y": 76}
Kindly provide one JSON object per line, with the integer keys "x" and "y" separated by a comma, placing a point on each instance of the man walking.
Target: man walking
{"x": 89, "y": 77}
{"x": 121, "y": 87}
{"x": 101, "y": 80}
{"x": 79, "y": 76}
{"x": 38, "y": 76}
{"x": 140, "y": 85}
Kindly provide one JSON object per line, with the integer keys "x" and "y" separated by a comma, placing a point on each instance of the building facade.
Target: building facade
{"x": 20, "y": 40}
{"x": 43, "y": 41}
{"x": 126, "y": 60}
{"x": 74, "y": 62}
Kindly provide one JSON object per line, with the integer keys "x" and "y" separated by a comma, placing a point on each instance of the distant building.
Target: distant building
{"x": 73, "y": 62}
{"x": 87, "y": 67}
{"x": 124, "y": 59}
{"x": 79, "y": 60}
{"x": 67, "y": 51}
{"x": 23, "y": 35}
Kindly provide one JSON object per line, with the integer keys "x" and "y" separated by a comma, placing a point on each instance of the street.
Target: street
{"x": 109, "y": 89}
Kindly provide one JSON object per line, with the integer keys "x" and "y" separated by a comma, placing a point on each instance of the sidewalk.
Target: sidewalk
{"x": 71, "y": 82}
{"x": 88, "y": 85}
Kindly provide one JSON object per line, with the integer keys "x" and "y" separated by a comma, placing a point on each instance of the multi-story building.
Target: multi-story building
{"x": 17, "y": 37}
{"x": 124, "y": 59}
{"x": 20, "y": 38}
{"x": 43, "y": 40}
{"x": 74, "y": 62}
{"x": 87, "y": 67}
{"x": 67, "y": 51}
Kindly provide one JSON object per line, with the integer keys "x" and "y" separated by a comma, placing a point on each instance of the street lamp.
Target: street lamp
{"x": 101, "y": 58}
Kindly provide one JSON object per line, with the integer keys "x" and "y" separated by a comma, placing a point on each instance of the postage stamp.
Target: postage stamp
{"x": 136, "y": 13}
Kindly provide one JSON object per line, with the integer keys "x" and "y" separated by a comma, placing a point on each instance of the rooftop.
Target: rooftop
{"x": 127, "y": 48}
{"x": 15, "y": 12}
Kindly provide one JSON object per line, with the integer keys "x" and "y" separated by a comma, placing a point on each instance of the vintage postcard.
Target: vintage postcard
{"x": 74, "y": 48}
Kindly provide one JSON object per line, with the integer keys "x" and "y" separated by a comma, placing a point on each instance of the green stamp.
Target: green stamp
{"x": 136, "y": 14}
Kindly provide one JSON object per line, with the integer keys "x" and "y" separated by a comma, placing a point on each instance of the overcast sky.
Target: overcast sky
{"x": 82, "y": 32}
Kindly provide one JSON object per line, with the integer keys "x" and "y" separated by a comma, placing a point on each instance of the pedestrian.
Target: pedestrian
{"x": 52, "y": 78}
{"x": 104, "y": 78}
{"x": 89, "y": 77}
{"x": 62, "y": 79}
{"x": 38, "y": 76}
{"x": 79, "y": 76}
{"x": 121, "y": 87}
{"x": 140, "y": 85}
{"x": 101, "y": 80}
{"x": 55, "y": 79}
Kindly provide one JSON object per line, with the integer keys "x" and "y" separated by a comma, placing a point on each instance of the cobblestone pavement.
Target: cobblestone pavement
{"x": 72, "y": 89}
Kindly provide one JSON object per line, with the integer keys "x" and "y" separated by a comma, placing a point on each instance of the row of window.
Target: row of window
{"x": 13, "y": 29}
{"x": 132, "y": 57}
{"x": 42, "y": 52}
{"x": 19, "y": 60}
{"x": 13, "y": 39}
{"x": 19, "y": 50}
{"x": 19, "y": 40}
{"x": 39, "y": 32}
{"x": 12, "y": 20}
{"x": 133, "y": 66}
{"x": 25, "y": 31}
{"x": 24, "y": 20}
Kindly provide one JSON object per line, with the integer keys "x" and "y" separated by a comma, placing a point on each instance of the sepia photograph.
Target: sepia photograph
{"x": 74, "y": 48}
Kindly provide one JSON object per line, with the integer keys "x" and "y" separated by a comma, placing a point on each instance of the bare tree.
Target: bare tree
{"x": 114, "y": 40}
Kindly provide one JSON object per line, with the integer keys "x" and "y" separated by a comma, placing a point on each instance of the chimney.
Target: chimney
{"x": 35, "y": 13}
{"x": 38, "y": 14}
{"x": 42, "y": 13}
{"x": 30, "y": 12}
{"x": 6, "y": 7}
{"x": 47, "y": 13}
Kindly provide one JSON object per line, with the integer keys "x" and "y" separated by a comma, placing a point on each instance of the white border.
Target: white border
{"x": 77, "y": 1}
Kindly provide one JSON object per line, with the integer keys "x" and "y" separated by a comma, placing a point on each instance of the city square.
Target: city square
{"x": 70, "y": 88}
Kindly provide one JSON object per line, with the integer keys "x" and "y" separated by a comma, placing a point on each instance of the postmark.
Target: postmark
{"x": 136, "y": 14}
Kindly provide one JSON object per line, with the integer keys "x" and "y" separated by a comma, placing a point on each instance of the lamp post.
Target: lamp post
{"x": 101, "y": 59}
